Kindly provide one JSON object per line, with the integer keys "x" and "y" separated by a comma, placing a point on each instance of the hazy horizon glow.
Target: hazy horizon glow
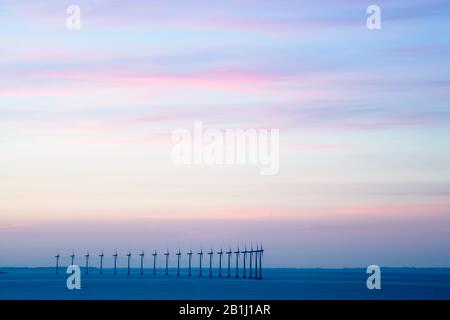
{"x": 86, "y": 118}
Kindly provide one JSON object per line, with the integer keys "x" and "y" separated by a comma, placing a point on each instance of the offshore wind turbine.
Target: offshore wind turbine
{"x": 245, "y": 258}
{"x": 210, "y": 254}
{"x": 261, "y": 254}
{"x": 200, "y": 259}
{"x": 87, "y": 262}
{"x": 115, "y": 262}
{"x": 57, "y": 262}
{"x": 167, "y": 261}
{"x": 72, "y": 256}
{"x": 257, "y": 257}
{"x": 251, "y": 258}
{"x": 190, "y": 260}
{"x": 154, "y": 254}
{"x": 220, "y": 253}
{"x": 142, "y": 261}
{"x": 229, "y": 252}
{"x": 178, "y": 261}
{"x": 129, "y": 259}
{"x": 237, "y": 262}
{"x": 101, "y": 255}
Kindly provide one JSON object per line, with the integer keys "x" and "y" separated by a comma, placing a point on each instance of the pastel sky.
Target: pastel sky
{"x": 364, "y": 116}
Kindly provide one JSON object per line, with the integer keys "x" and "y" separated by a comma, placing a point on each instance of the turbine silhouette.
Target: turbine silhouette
{"x": 220, "y": 253}
{"x": 237, "y": 262}
{"x": 261, "y": 255}
{"x": 129, "y": 259}
{"x": 200, "y": 261}
{"x": 101, "y": 255}
{"x": 251, "y": 259}
{"x": 257, "y": 257}
{"x": 115, "y": 262}
{"x": 154, "y": 254}
{"x": 245, "y": 258}
{"x": 190, "y": 260}
{"x": 87, "y": 262}
{"x": 142, "y": 262}
{"x": 210, "y": 254}
{"x": 57, "y": 262}
{"x": 178, "y": 262}
{"x": 167, "y": 261}
{"x": 229, "y": 252}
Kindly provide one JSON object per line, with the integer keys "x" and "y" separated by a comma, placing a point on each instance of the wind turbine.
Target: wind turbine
{"x": 201, "y": 258}
{"x": 154, "y": 254}
{"x": 87, "y": 262}
{"x": 72, "y": 256}
{"x": 245, "y": 258}
{"x": 142, "y": 262}
{"x": 178, "y": 261}
{"x": 229, "y": 252}
{"x": 210, "y": 254}
{"x": 261, "y": 254}
{"x": 220, "y": 253}
{"x": 167, "y": 261}
{"x": 251, "y": 257}
{"x": 57, "y": 262}
{"x": 129, "y": 259}
{"x": 237, "y": 262}
{"x": 115, "y": 262}
{"x": 101, "y": 255}
{"x": 257, "y": 253}
{"x": 190, "y": 260}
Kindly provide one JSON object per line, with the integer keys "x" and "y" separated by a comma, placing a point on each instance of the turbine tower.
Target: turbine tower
{"x": 129, "y": 259}
{"x": 229, "y": 252}
{"x": 101, "y": 255}
{"x": 115, "y": 262}
{"x": 167, "y": 261}
{"x": 154, "y": 254}
{"x": 201, "y": 258}
{"x": 57, "y": 262}
{"x": 256, "y": 261}
{"x": 72, "y": 256}
{"x": 190, "y": 260}
{"x": 87, "y": 262}
{"x": 178, "y": 262}
{"x": 142, "y": 262}
{"x": 245, "y": 258}
{"x": 237, "y": 262}
{"x": 220, "y": 253}
{"x": 210, "y": 254}
{"x": 261, "y": 254}
{"x": 251, "y": 258}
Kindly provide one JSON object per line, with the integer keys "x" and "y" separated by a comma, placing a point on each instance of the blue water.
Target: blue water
{"x": 289, "y": 284}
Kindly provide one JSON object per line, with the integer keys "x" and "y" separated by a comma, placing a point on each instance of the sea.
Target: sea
{"x": 276, "y": 284}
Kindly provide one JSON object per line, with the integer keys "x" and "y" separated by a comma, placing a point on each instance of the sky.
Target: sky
{"x": 86, "y": 118}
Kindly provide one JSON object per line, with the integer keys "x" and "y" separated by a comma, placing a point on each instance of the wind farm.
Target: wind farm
{"x": 227, "y": 279}
{"x": 213, "y": 270}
